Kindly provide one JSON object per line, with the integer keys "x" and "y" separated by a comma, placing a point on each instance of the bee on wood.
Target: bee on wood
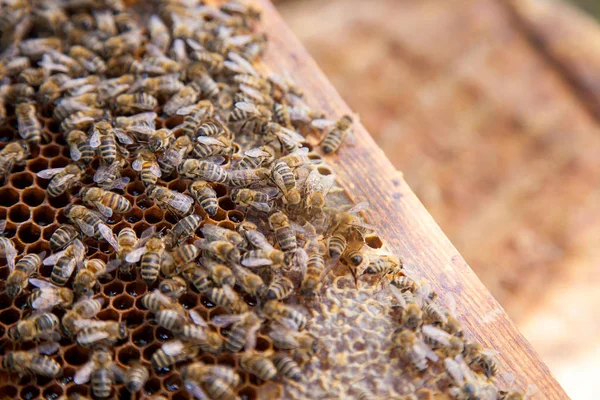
{"x": 335, "y": 136}
{"x": 18, "y": 277}
{"x": 480, "y": 358}
{"x": 35, "y": 361}
{"x": 62, "y": 179}
{"x": 177, "y": 203}
{"x": 48, "y": 295}
{"x": 102, "y": 373}
{"x": 105, "y": 202}
{"x": 29, "y": 126}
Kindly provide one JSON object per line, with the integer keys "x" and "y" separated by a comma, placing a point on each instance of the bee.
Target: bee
{"x": 105, "y": 202}
{"x": 250, "y": 113}
{"x": 159, "y": 65}
{"x": 286, "y": 366}
{"x": 108, "y": 177}
{"x": 246, "y": 177}
{"x": 160, "y": 140}
{"x": 214, "y": 233}
{"x": 304, "y": 344}
{"x": 65, "y": 262}
{"x": 111, "y": 88}
{"x": 352, "y": 257}
{"x": 172, "y": 352}
{"x": 384, "y": 264}
{"x": 87, "y": 277}
{"x": 220, "y": 250}
{"x": 250, "y": 282}
{"x": 289, "y": 139}
{"x": 258, "y": 365}
{"x": 35, "y": 361}
{"x": 92, "y": 332}
{"x": 173, "y": 288}
{"x": 104, "y": 139}
{"x": 186, "y": 96}
{"x": 136, "y": 377}
{"x": 156, "y": 301}
{"x": 185, "y": 228}
{"x": 451, "y": 345}
{"x": 79, "y": 146}
{"x": 207, "y": 85}
{"x": 213, "y": 128}
{"x": 197, "y": 277}
{"x": 412, "y": 316}
{"x": 207, "y": 60}
{"x": 13, "y": 66}
{"x": 141, "y": 125}
{"x": 88, "y": 59}
{"x": 171, "y": 319}
{"x": 14, "y": 153}
{"x": 37, "y": 326}
{"x": 316, "y": 188}
{"x": 62, "y": 179}
{"x": 177, "y": 203}
{"x": 226, "y": 297}
{"x": 205, "y": 195}
{"x": 29, "y": 126}
{"x": 413, "y": 349}
{"x": 80, "y": 86}
{"x": 465, "y": 382}
{"x": 88, "y": 221}
{"x": 132, "y": 103}
{"x": 242, "y": 332}
{"x": 286, "y": 315}
{"x": 200, "y": 334}
{"x": 279, "y": 289}
{"x": 7, "y": 248}
{"x": 480, "y": 358}
{"x": 32, "y": 76}
{"x": 19, "y": 276}
{"x": 151, "y": 254}
{"x": 257, "y": 157}
{"x": 261, "y": 200}
{"x": 207, "y": 146}
{"x": 194, "y": 116}
{"x": 282, "y": 115}
{"x": 49, "y": 295}
{"x": 101, "y": 371}
{"x": 17, "y": 93}
{"x": 202, "y": 169}
{"x": 126, "y": 64}
{"x": 50, "y": 89}
{"x": 333, "y": 139}
{"x": 159, "y": 33}
{"x": 220, "y": 273}
{"x": 147, "y": 165}
{"x": 69, "y": 105}
{"x": 83, "y": 120}
{"x": 284, "y": 179}
{"x": 172, "y": 157}
{"x": 284, "y": 234}
{"x": 84, "y": 308}
{"x": 200, "y": 372}
{"x": 56, "y": 61}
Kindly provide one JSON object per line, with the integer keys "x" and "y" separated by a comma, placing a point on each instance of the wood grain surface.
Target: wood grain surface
{"x": 405, "y": 225}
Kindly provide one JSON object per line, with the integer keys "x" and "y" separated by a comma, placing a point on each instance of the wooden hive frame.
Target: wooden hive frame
{"x": 403, "y": 222}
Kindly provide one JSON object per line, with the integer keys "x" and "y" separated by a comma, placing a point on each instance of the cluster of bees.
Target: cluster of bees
{"x": 105, "y": 77}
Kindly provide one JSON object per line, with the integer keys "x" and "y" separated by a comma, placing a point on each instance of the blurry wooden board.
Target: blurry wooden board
{"x": 405, "y": 225}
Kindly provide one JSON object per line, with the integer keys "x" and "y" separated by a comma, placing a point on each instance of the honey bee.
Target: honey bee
{"x": 286, "y": 366}
{"x": 194, "y": 117}
{"x": 13, "y": 66}
{"x": 32, "y": 76}
{"x": 304, "y": 344}
{"x": 137, "y": 102}
{"x": 172, "y": 157}
{"x": 160, "y": 65}
{"x": 35, "y": 361}
{"x": 206, "y": 83}
{"x": 80, "y": 86}
{"x": 220, "y": 250}
{"x": 200, "y": 372}
{"x": 83, "y": 120}
{"x": 104, "y": 139}
{"x": 466, "y": 383}
{"x": 451, "y": 345}
{"x": 62, "y": 179}
{"x": 50, "y": 89}
{"x": 63, "y": 236}
{"x": 279, "y": 289}
{"x": 480, "y": 358}
{"x": 88, "y": 59}
{"x": 257, "y": 157}
{"x": 185, "y": 228}
{"x": 37, "y": 326}
{"x": 246, "y": 177}
{"x": 92, "y": 332}
{"x": 49, "y": 295}
{"x": 111, "y": 88}
{"x": 108, "y": 177}
{"x": 207, "y": 60}
{"x": 160, "y": 140}
{"x": 171, "y": 318}
{"x": 206, "y": 196}
{"x": 105, "y": 202}
{"x": 186, "y": 96}
{"x": 151, "y": 254}
{"x": 17, "y": 93}
{"x": 136, "y": 377}
{"x": 7, "y": 248}
{"x": 214, "y": 233}
{"x": 29, "y": 126}
{"x": 69, "y": 105}
{"x": 156, "y": 301}
{"x": 413, "y": 349}
{"x": 284, "y": 234}
{"x": 79, "y": 146}
{"x": 88, "y": 221}
{"x": 284, "y": 179}
{"x": 202, "y": 169}
{"x": 243, "y": 331}
{"x": 173, "y": 288}
{"x": 198, "y": 277}
{"x": 289, "y": 139}
{"x": 207, "y": 146}
{"x": 250, "y": 113}
{"x": 226, "y": 297}
{"x": 159, "y": 33}
{"x": 177, "y": 203}
{"x": 147, "y": 165}
{"x": 315, "y": 271}
{"x": 316, "y": 188}
{"x": 261, "y": 200}
{"x": 14, "y": 153}
{"x": 101, "y": 371}
{"x": 250, "y": 282}
{"x": 84, "y": 308}
{"x": 258, "y": 365}
{"x": 87, "y": 277}
{"x": 333, "y": 139}
{"x": 65, "y": 262}
{"x": 384, "y": 264}
{"x": 172, "y": 352}
{"x": 286, "y": 315}
{"x": 19, "y": 276}
{"x": 220, "y": 273}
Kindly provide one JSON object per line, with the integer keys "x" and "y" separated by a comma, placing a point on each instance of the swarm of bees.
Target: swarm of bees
{"x": 107, "y": 77}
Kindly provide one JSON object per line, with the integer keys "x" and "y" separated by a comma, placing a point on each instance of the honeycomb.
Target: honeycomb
{"x": 354, "y": 320}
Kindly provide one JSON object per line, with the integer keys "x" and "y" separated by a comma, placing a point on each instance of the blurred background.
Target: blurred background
{"x": 491, "y": 109}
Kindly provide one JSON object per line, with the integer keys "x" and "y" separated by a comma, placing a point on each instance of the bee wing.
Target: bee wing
{"x": 253, "y": 93}
{"x": 106, "y": 211}
{"x": 256, "y": 152}
{"x": 86, "y": 228}
{"x": 243, "y": 64}
{"x": 289, "y": 136}
{"x": 256, "y": 262}
{"x": 97, "y": 336}
{"x": 208, "y": 140}
{"x": 195, "y": 390}
{"x": 395, "y": 292}
{"x": 103, "y": 172}
{"x": 247, "y": 107}
{"x": 155, "y": 169}
{"x": 95, "y": 139}
{"x": 259, "y": 240}
{"x": 358, "y": 207}
{"x": 280, "y": 334}
{"x": 42, "y": 284}
{"x": 47, "y": 299}
{"x": 173, "y": 156}
{"x": 322, "y": 123}
{"x": 173, "y": 347}
{"x": 89, "y": 323}
{"x": 147, "y": 234}
{"x": 135, "y": 255}
{"x": 119, "y": 183}
{"x": 421, "y": 348}
{"x": 75, "y": 153}
{"x": 181, "y": 202}
{"x": 83, "y": 374}
{"x": 250, "y": 343}
{"x": 49, "y": 173}
{"x": 10, "y": 253}
{"x": 137, "y": 165}
{"x": 122, "y": 136}
{"x": 197, "y": 318}
{"x": 2, "y": 226}
{"x": 52, "y": 259}
{"x": 186, "y": 110}
{"x": 301, "y": 261}
{"x": 108, "y": 234}
{"x": 119, "y": 372}
{"x": 222, "y": 321}
{"x": 490, "y": 352}
{"x": 264, "y": 207}
{"x": 61, "y": 180}
{"x": 47, "y": 348}
{"x": 437, "y": 334}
